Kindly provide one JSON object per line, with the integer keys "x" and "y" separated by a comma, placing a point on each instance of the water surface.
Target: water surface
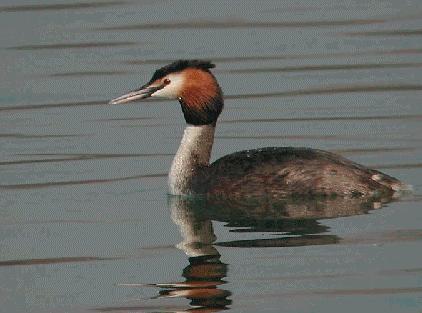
{"x": 85, "y": 221}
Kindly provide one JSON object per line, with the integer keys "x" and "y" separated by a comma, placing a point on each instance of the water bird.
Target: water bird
{"x": 275, "y": 172}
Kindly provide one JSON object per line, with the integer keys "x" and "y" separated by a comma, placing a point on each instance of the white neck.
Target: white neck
{"x": 193, "y": 154}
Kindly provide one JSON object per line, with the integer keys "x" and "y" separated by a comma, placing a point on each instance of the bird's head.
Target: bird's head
{"x": 190, "y": 82}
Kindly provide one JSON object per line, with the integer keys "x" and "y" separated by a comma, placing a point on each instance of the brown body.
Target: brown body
{"x": 266, "y": 172}
{"x": 287, "y": 171}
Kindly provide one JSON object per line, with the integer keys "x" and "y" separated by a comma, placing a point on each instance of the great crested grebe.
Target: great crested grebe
{"x": 274, "y": 172}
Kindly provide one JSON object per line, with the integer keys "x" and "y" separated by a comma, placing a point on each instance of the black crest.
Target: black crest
{"x": 180, "y": 65}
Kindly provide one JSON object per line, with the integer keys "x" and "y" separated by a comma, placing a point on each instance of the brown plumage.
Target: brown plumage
{"x": 200, "y": 97}
{"x": 198, "y": 89}
{"x": 287, "y": 171}
{"x": 267, "y": 172}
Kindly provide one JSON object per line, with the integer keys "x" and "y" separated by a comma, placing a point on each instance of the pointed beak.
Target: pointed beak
{"x": 141, "y": 93}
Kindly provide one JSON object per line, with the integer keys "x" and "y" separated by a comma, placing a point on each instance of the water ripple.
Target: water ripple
{"x": 78, "y": 182}
{"x": 146, "y": 308}
{"x": 53, "y": 260}
{"x": 78, "y": 45}
{"x": 52, "y": 105}
{"x": 304, "y": 240}
{"x": 393, "y": 32}
{"x": 328, "y": 118}
{"x": 81, "y": 157}
{"x": 393, "y": 272}
{"x": 239, "y": 24}
{"x": 328, "y": 67}
{"x": 372, "y": 150}
{"x": 59, "y": 6}
{"x": 87, "y": 73}
{"x": 30, "y": 136}
{"x": 331, "y": 90}
{"x": 348, "y": 292}
{"x": 398, "y": 166}
{"x": 255, "y": 58}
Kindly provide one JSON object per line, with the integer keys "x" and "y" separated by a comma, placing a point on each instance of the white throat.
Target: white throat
{"x": 192, "y": 156}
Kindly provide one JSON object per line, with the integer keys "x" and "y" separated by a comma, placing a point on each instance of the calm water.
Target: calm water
{"x": 85, "y": 222}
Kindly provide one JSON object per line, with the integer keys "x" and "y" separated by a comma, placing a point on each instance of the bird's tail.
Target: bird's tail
{"x": 392, "y": 183}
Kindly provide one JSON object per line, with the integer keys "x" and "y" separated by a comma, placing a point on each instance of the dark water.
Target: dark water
{"x": 85, "y": 222}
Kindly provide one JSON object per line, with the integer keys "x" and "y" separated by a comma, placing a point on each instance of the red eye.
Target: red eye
{"x": 166, "y": 81}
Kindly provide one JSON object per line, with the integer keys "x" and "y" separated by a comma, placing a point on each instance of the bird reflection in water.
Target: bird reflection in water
{"x": 297, "y": 221}
{"x": 205, "y": 272}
